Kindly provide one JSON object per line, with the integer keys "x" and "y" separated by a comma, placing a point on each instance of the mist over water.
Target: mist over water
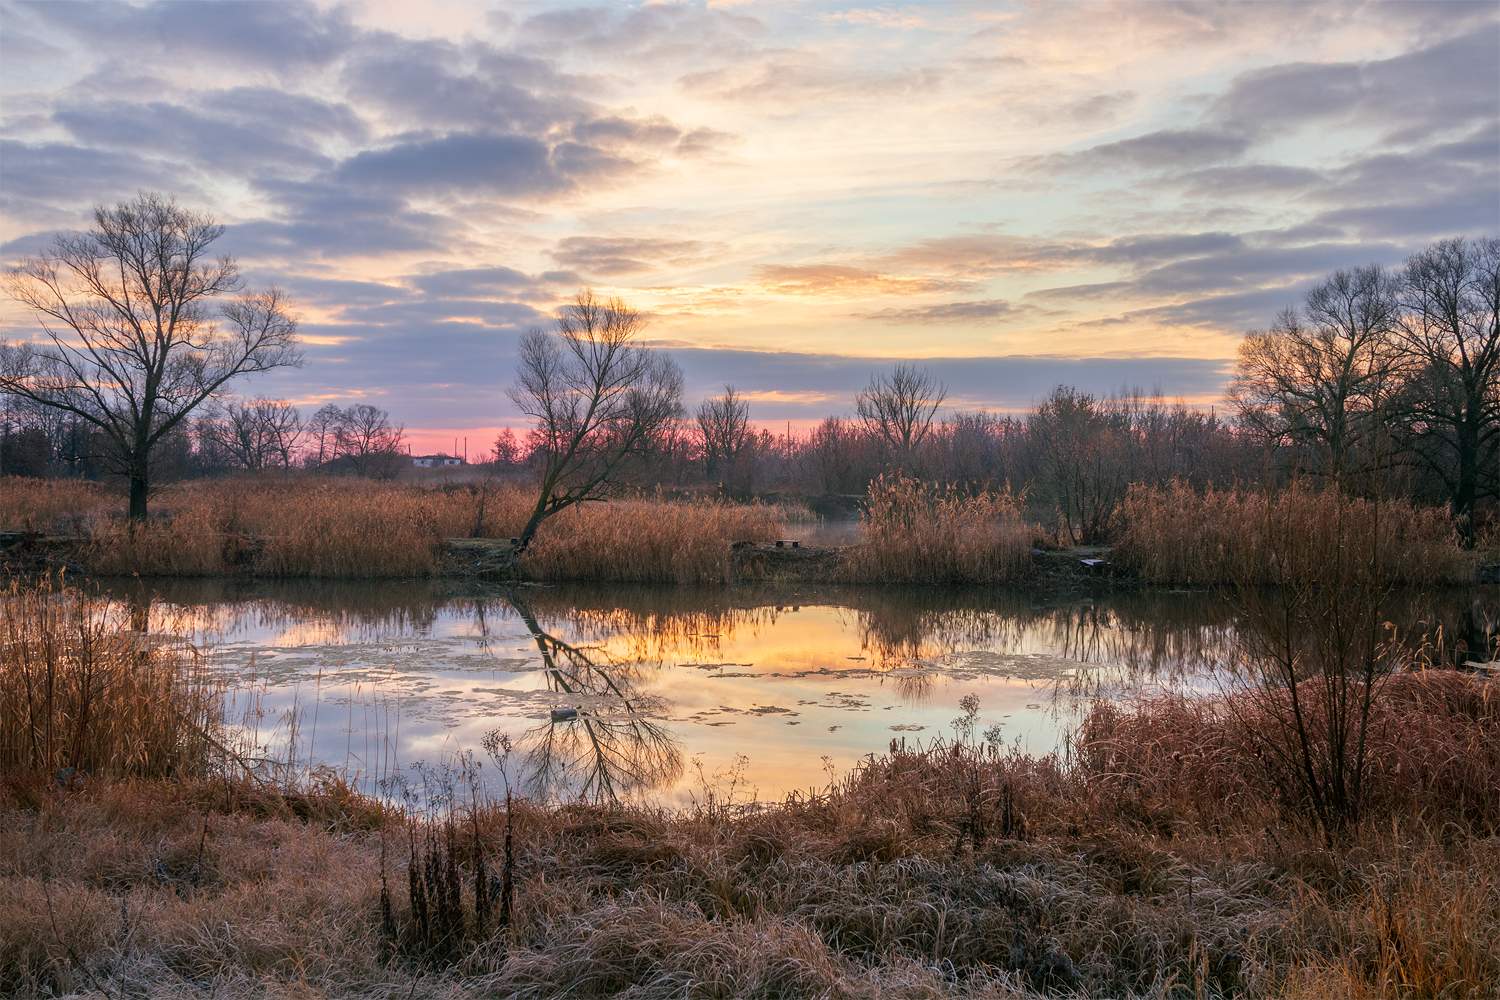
{"x": 675, "y": 689}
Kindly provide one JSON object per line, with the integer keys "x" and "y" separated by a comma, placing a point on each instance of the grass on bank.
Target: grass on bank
{"x": 913, "y": 532}
{"x": 1155, "y": 860}
{"x": 84, "y": 687}
{"x": 1175, "y": 534}
{"x": 361, "y": 529}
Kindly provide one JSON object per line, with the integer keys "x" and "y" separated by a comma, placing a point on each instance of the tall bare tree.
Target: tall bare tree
{"x": 898, "y": 408}
{"x": 724, "y": 425}
{"x": 1451, "y": 330}
{"x": 599, "y": 400}
{"x": 134, "y": 343}
{"x": 372, "y": 444}
{"x": 1317, "y": 380}
{"x": 255, "y": 434}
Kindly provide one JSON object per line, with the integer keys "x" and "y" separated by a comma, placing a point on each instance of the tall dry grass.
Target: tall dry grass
{"x": 83, "y": 686}
{"x": 42, "y": 504}
{"x": 648, "y": 541}
{"x": 277, "y": 526}
{"x": 1175, "y": 534}
{"x": 331, "y": 532}
{"x": 1433, "y": 751}
{"x": 919, "y": 533}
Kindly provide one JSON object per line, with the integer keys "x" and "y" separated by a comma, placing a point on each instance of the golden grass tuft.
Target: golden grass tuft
{"x": 326, "y": 531}
{"x": 1175, "y": 534}
{"x": 82, "y": 687}
{"x": 916, "y": 533}
{"x": 38, "y": 504}
{"x": 647, "y": 541}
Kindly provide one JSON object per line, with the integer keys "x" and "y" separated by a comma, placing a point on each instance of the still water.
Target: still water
{"x": 656, "y": 693}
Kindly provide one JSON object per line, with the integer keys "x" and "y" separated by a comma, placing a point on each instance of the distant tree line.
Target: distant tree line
{"x": 234, "y": 435}
{"x": 1382, "y": 380}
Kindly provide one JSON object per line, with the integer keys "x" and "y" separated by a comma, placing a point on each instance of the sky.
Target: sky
{"x": 1017, "y": 195}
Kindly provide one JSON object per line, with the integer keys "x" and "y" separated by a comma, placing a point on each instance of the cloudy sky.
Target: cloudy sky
{"x": 1019, "y": 194}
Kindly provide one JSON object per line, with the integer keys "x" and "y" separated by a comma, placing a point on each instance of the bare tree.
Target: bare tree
{"x": 599, "y": 401}
{"x": 372, "y": 444}
{"x": 134, "y": 345}
{"x": 1081, "y": 453}
{"x": 1317, "y": 379}
{"x": 255, "y": 434}
{"x": 508, "y": 451}
{"x": 723, "y": 424}
{"x": 898, "y": 409}
{"x": 322, "y": 436}
{"x": 1451, "y": 330}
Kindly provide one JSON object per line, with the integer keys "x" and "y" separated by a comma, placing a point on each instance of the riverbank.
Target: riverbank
{"x": 941, "y": 871}
{"x": 146, "y": 850}
{"x": 1076, "y": 569}
{"x": 908, "y": 532}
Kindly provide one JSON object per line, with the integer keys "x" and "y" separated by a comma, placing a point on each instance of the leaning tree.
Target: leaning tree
{"x": 141, "y": 326}
{"x": 599, "y": 401}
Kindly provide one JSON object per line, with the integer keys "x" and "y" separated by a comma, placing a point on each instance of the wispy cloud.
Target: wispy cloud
{"x": 979, "y": 185}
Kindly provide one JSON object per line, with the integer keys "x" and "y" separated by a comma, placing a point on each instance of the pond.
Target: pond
{"x": 661, "y": 692}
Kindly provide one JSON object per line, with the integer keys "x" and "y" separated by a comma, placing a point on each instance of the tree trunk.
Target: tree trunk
{"x": 527, "y": 534}
{"x": 1468, "y": 479}
{"x": 139, "y": 486}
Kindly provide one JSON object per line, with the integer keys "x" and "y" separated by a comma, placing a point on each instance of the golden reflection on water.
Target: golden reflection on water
{"x": 782, "y": 675}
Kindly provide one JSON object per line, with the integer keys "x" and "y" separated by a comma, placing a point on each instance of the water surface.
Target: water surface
{"x": 674, "y": 688}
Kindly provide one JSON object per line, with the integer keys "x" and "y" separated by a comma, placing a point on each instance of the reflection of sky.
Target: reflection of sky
{"x": 784, "y": 686}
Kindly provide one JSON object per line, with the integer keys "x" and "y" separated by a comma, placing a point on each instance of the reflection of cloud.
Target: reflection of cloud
{"x": 838, "y": 280}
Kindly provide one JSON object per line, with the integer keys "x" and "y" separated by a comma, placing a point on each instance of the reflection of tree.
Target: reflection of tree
{"x": 612, "y": 747}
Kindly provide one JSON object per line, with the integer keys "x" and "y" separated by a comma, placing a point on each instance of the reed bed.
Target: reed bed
{"x": 1434, "y": 751}
{"x": 920, "y": 533}
{"x": 1178, "y": 535}
{"x": 50, "y": 504}
{"x": 645, "y": 541}
{"x": 83, "y": 687}
{"x": 286, "y": 527}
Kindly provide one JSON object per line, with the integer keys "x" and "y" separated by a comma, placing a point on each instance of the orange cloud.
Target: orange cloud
{"x": 848, "y": 282}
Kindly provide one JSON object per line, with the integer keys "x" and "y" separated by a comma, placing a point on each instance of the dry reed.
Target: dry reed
{"x": 916, "y": 533}
{"x": 40, "y": 504}
{"x": 84, "y": 687}
{"x": 303, "y": 527}
{"x": 646, "y": 541}
{"x": 1175, "y": 534}
{"x": 1434, "y": 750}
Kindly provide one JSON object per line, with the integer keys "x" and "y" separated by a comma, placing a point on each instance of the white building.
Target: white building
{"x": 435, "y": 461}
